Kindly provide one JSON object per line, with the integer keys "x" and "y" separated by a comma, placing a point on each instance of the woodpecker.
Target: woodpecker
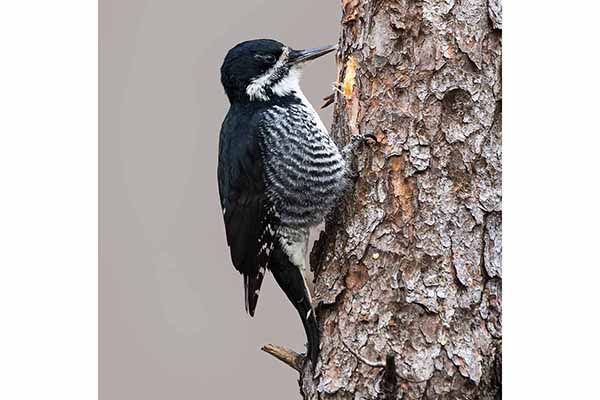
{"x": 279, "y": 171}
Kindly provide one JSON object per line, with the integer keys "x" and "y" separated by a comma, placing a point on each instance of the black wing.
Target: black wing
{"x": 250, "y": 220}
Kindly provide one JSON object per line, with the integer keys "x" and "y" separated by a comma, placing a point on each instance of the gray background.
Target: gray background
{"x": 172, "y": 319}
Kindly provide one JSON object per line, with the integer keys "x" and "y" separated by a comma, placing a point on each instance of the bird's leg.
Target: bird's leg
{"x": 349, "y": 151}
{"x": 349, "y": 154}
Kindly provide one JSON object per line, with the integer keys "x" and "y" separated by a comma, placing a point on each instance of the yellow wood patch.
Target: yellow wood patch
{"x": 349, "y": 78}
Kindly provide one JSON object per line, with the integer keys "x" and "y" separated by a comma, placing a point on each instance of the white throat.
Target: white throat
{"x": 289, "y": 84}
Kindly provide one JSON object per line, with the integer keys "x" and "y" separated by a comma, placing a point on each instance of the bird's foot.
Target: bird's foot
{"x": 357, "y": 140}
{"x": 350, "y": 151}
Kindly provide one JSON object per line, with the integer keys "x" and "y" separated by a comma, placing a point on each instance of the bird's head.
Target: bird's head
{"x": 257, "y": 70}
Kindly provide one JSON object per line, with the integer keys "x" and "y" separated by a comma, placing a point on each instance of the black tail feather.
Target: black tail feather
{"x": 291, "y": 280}
{"x": 312, "y": 333}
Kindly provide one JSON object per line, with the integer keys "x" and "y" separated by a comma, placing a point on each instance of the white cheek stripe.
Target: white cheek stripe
{"x": 256, "y": 89}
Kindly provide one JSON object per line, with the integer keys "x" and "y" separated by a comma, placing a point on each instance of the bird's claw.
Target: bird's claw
{"x": 371, "y": 136}
{"x": 363, "y": 138}
{"x": 350, "y": 150}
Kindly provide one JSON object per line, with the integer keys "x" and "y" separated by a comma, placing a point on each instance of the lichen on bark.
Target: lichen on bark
{"x": 411, "y": 268}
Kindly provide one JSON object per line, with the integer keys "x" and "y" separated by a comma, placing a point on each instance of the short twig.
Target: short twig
{"x": 328, "y": 101}
{"x": 287, "y": 356}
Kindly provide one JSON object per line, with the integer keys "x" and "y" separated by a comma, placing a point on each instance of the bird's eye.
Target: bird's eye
{"x": 268, "y": 58}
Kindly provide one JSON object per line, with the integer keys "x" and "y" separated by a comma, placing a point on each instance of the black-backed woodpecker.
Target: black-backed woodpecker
{"x": 279, "y": 171}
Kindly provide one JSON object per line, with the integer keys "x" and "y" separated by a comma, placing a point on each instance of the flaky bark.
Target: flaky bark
{"x": 411, "y": 269}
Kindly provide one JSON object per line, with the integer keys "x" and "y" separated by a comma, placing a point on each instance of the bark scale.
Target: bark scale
{"x": 409, "y": 276}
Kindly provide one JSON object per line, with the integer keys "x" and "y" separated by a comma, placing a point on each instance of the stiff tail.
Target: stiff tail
{"x": 291, "y": 280}
{"x": 311, "y": 328}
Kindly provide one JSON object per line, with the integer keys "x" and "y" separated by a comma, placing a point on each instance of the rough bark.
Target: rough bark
{"x": 409, "y": 276}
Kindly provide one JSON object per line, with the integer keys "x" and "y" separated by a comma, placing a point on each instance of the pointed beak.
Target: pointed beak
{"x": 300, "y": 56}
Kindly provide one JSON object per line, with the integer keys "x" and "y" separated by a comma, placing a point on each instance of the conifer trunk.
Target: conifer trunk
{"x": 411, "y": 268}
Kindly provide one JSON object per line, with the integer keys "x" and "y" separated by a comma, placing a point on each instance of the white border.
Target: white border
{"x": 48, "y": 199}
{"x": 551, "y": 220}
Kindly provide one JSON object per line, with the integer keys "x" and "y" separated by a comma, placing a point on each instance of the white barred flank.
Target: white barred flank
{"x": 305, "y": 173}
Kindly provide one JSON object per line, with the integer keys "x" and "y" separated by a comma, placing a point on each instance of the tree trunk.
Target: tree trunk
{"x": 410, "y": 271}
